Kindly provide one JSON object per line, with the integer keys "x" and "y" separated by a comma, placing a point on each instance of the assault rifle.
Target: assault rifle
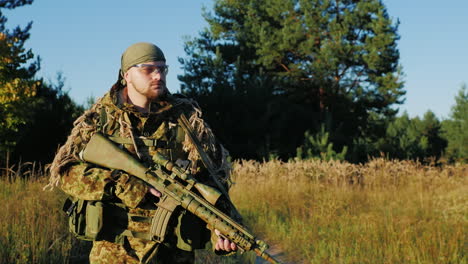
{"x": 177, "y": 189}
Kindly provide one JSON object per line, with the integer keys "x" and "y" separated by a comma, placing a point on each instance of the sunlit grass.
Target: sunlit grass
{"x": 33, "y": 228}
{"x": 381, "y": 212}
{"x": 310, "y": 211}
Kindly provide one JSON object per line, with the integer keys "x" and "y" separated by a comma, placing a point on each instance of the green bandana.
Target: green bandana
{"x": 139, "y": 53}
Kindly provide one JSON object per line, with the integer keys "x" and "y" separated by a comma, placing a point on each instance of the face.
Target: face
{"x": 147, "y": 82}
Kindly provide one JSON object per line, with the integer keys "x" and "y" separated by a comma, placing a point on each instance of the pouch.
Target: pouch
{"x": 85, "y": 218}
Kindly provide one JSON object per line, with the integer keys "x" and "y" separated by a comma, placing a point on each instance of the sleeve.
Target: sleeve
{"x": 86, "y": 181}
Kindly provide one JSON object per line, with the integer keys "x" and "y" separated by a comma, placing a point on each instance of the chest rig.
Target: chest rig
{"x": 145, "y": 135}
{"x": 142, "y": 135}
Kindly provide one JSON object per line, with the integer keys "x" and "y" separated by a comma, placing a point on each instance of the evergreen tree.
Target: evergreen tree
{"x": 403, "y": 140}
{"x": 431, "y": 128}
{"x": 318, "y": 147}
{"x": 18, "y": 67}
{"x": 413, "y": 138}
{"x": 272, "y": 69}
{"x": 456, "y": 128}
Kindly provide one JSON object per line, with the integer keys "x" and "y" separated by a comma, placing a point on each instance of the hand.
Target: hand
{"x": 224, "y": 244}
{"x": 155, "y": 192}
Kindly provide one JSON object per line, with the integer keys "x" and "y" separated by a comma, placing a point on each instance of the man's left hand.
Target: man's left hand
{"x": 224, "y": 244}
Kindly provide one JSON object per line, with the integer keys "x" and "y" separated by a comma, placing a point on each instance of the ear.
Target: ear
{"x": 127, "y": 76}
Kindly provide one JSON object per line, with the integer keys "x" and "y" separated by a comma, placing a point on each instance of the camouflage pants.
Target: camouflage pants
{"x": 137, "y": 251}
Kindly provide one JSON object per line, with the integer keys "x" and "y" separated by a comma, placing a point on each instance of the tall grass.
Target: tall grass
{"x": 310, "y": 211}
{"x": 380, "y": 212}
{"x": 33, "y": 229}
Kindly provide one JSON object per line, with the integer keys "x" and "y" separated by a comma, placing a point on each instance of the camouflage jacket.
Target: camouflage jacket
{"x": 116, "y": 119}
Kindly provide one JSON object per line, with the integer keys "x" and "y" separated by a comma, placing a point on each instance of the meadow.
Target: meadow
{"x": 309, "y": 211}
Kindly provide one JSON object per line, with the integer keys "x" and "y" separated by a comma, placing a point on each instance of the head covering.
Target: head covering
{"x": 138, "y": 53}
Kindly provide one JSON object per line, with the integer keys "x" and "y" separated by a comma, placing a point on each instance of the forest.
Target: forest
{"x": 275, "y": 79}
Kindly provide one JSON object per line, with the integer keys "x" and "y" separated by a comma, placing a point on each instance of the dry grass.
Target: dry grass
{"x": 316, "y": 212}
{"x": 380, "y": 212}
{"x": 33, "y": 228}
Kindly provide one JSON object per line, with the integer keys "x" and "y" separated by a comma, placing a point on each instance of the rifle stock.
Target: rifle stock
{"x": 105, "y": 153}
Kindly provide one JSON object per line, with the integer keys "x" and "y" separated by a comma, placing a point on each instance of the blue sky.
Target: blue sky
{"x": 84, "y": 40}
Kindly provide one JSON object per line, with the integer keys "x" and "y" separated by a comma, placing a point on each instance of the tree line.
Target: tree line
{"x": 275, "y": 79}
{"x": 311, "y": 78}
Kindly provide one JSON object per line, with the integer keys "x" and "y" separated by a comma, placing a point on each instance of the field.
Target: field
{"x": 310, "y": 211}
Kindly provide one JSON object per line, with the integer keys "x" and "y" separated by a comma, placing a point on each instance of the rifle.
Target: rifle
{"x": 176, "y": 190}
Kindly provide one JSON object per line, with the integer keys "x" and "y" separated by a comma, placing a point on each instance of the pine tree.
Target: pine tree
{"x": 414, "y": 138}
{"x": 456, "y": 128}
{"x": 324, "y": 60}
{"x": 431, "y": 128}
{"x": 318, "y": 147}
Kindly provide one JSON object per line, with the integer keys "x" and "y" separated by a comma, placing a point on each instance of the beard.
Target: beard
{"x": 156, "y": 91}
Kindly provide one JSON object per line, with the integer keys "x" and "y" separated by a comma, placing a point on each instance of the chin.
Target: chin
{"x": 157, "y": 95}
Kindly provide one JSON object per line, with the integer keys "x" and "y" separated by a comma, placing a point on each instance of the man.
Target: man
{"x": 140, "y": 115}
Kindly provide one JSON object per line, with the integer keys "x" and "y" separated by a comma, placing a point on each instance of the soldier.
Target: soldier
{"x": 140, "y": 115}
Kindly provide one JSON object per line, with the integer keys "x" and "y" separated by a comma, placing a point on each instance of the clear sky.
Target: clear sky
{"x": 84, "y": 40}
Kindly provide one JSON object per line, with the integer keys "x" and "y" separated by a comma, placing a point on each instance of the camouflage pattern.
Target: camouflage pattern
{"x": 104, "y": 252}
{"x": 114, "y": 118}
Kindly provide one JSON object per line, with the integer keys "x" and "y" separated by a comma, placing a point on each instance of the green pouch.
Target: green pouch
{"x": 94, "y": 219}
{"x": 85, "y": 218}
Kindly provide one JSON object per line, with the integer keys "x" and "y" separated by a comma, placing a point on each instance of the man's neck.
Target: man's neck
{"x": 141, "y": 103}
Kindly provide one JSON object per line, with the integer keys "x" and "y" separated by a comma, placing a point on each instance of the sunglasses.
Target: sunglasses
{"x": 150, "y": 68}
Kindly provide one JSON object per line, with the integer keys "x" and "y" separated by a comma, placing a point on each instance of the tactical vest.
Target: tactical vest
{"x": 96, "y": 220}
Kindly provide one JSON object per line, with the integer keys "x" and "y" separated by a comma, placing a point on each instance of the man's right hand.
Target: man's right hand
{"x": 155, "y": 192}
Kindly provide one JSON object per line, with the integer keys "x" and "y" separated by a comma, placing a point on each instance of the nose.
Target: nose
{"x": 156, "y": 75}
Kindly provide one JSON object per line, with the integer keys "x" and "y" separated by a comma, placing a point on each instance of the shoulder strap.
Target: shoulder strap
{"x": 206, "y": 160}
